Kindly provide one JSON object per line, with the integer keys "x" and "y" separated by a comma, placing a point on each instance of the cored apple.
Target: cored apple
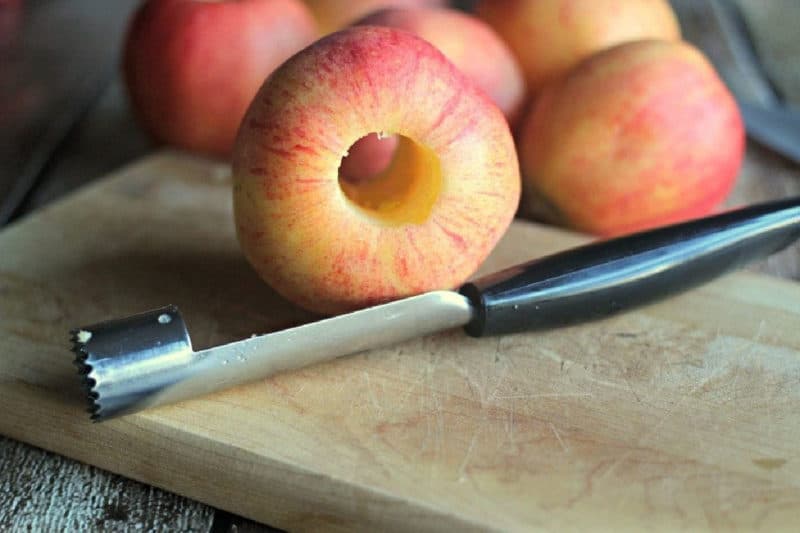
{"x": 425, "y": 223}
{"x": 639, "y": 135}
{"x": 193, "y": 66}
{"x": 334, "y": 15}
{"x": 549, "y": 37}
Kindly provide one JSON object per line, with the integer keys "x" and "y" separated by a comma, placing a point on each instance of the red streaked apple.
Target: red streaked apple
{"x": 334, "y": 15}
{"x": 639, "y": 135}
{"x": 471, "y": 44}
{"x": 425, "y": 223}
{"x": 551, "y": 36}
{"x": 193, "y": 66}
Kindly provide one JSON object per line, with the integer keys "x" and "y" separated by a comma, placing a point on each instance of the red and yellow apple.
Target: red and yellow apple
{"x": 193, "y": 66}
{"x": 425, "y": 223}
{"x": 334, "y": 15}
{"x": 639, "y": 135}
{"x": 549, "y": 37}
{"x": 470, "y": 44}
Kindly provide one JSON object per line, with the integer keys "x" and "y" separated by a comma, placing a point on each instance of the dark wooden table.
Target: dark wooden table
{"x": 65, "y": 121}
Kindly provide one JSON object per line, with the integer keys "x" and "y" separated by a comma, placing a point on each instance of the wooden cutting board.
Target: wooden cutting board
{"x": 685, "y": 414}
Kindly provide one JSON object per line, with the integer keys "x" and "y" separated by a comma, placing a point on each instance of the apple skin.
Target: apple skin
{"x": 639, "y": 135}
{"x": 333, "y": 15}
{"x": 551, "y": 36}
{"x": 295, "y": 223}
{"x": 192, "y": 67}
{"x": 472, "y": 46}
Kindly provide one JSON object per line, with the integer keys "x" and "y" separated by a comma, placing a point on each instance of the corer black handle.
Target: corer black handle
{"x": 605, "y": 277}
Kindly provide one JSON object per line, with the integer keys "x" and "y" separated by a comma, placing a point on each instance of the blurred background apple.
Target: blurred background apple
{"x": 551, "y": 36}
{"x": 334, "y": 15}
{"x": 192, "y": 67}
{"x": 640, "y": 135}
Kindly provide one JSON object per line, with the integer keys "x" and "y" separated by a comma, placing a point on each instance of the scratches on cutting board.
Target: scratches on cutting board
{"x": 558, "y": 437}
{"x": 462, "y": 469}
{"x": 769, "y": 464}
{"x": 371, "y": 393}
{"x": 545, "y": 395}
{"x": 519, "y": 405}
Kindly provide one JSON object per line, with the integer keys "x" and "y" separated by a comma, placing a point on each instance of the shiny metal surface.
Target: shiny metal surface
{"x": 123, "y": 361}
{"x": 147, "y": 360}
{"x": 777, "y": 128}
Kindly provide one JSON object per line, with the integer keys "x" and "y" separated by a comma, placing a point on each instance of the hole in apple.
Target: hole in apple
{"x": 368, "y": 157}
{"x": 392, "y": 178}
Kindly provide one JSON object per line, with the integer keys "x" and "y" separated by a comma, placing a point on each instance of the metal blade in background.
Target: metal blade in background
{"x": 775, "y": 128}
{"x": 732, "y": 52}
{"x": 56, "y": 59}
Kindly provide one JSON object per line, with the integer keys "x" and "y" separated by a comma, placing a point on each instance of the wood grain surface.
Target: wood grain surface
{"x": 94, "y": 500}
{"x": 683, "y": 414}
